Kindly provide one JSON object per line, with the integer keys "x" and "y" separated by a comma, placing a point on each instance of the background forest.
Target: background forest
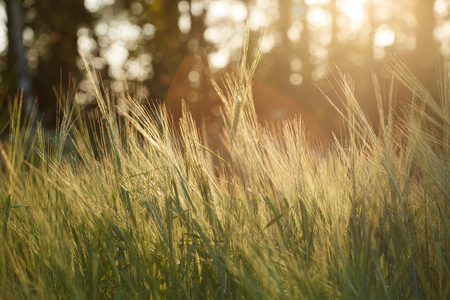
{"x": 144, "y": 42}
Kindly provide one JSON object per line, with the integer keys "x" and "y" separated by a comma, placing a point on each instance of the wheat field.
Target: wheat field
{"x": 138, "y": 211}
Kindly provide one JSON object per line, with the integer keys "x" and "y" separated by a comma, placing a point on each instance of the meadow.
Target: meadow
{"x": 140, "y": 211}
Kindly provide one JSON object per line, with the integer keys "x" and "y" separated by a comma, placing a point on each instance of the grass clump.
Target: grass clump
{"x": 136, "y": 213}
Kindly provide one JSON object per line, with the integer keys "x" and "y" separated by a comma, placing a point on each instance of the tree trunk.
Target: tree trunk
{"x": 423, "y": 59}
{"x": 17, "y": 54}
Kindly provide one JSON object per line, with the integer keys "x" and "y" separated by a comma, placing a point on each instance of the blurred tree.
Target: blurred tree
{"x": 282, "y": 52}
{"x": 55, "y": 28}
{"x": 304, "y": 52}
{"x": 17, "y": 55}
{"x": 137, "y": 41}
{"x": 169, "y": 49}
{"x": 42, "y": 52}
{"x": 424, "y": 56}
{"x": 195, "y": 44}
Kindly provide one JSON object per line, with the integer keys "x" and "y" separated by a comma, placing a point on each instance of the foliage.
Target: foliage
{"x": 148, "y": 214}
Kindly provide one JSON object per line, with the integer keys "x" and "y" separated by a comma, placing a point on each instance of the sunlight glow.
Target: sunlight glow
{"x": 219, "y": 59}
{"x": 238, "y": 12}
{"x": 354, "y": 10}
{"x": 3, "y": 29}
{"x": 384, "y": 36}
{"x": 95, "y": 5}
{"x": 217, "y": 10}
{"x": 319, "y": 17}
{"x": 442, "y": 34}
{"x": 235, "y": 10}
{"x": 257, "y": 19}
{"x": 295, "y": 30}
{"x": 267, "y": 43}
{"x": 442, "y": 29}
{"x": 296, "y": 63}
{"x": 316, "y": 2}
{"x": 296, "y": 79}
{"x": 442, "y": 7}
{"x": 86, "y": 44}
{"x": 197, "y": 8}
{"x": 184, "y": 23}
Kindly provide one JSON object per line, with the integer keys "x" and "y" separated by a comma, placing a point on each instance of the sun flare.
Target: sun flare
{"x": 354, "y": 10}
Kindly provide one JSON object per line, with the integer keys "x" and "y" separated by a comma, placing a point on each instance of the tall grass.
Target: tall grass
{"x": 136, "y": 212}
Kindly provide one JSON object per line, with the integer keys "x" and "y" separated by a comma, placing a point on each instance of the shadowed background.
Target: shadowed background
{"x": 145, "y": 43}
